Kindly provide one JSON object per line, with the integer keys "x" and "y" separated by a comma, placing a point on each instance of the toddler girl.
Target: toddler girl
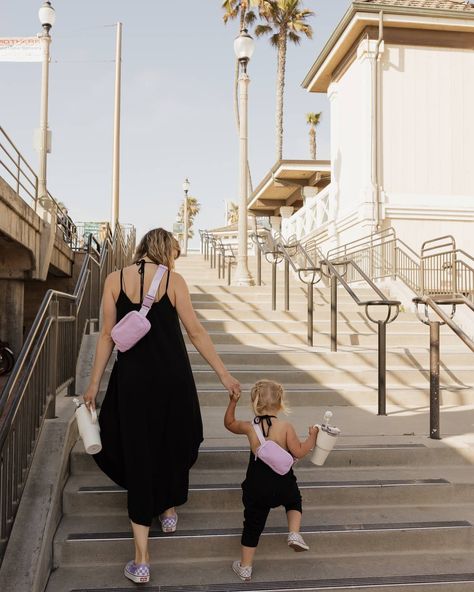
{"x": 263, "y": 488}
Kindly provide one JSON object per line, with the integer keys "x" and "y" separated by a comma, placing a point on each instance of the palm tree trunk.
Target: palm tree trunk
{"x": 312, "y": 142}
{"x": 282, "y": 39}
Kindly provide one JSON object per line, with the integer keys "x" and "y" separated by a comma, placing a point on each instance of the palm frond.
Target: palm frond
{"x": 294, "y": 38}
{"x": 250, "y": 17}
{"x": 263, "y": 30}
{"x": 313, "y": 118}
{"x": 274, "y": 40}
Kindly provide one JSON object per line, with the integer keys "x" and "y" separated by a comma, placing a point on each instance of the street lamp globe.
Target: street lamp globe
{"x": 186, "y": 185}
{"x": 244, "y": 46}
{"x": 47, "y": 15}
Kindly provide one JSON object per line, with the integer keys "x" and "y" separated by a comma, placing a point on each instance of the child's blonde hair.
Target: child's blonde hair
{"x": 268, "y": 395}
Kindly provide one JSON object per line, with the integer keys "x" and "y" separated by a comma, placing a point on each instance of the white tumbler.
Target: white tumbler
{"x": 88, "y": 428}
{"x": 325, "y": 441}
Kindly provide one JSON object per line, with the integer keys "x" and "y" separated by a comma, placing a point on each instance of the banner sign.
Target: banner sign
{"x": 20, "y": 49}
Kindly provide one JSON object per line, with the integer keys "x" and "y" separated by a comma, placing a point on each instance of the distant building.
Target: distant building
{"x": 399, "y": 75}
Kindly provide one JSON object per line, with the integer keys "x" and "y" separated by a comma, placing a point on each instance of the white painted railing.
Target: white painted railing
{"x": 314, "y": 215}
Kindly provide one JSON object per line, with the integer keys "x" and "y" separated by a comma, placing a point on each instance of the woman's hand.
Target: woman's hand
{"x": 313, "y": 431}
{"x": 231, "y": 384}
{"x": 89, "y": 397}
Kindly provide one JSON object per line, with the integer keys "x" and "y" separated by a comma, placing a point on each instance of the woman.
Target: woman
{"x": 150, "y": 419}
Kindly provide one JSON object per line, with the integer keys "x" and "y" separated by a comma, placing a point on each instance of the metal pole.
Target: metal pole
{"x": 116, "y": 148}
{"x": 333, "y": 313}
{"x": 229, "y": 272}
{"x": 274, "y": 270}
{"x": 219, "y": 265}
{"x": 43, "y": 146}
{"x": 287, "y": 285}
{"x": 242, "y": 275}
{"x": 310, "y": 313}
{"x": 382, "y": 370}
{"x": 434, "y": 380}
{"x": 259, "y": 266}
{"x": 186, "y": 224}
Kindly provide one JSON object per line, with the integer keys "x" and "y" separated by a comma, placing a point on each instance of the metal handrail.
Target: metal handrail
{"x": 382, "y": 323}
{"x": 442, "y": 274}
{"x": 26, "y": 185}
{"x": 46, "y": 364}
{"x": 435, "y": 304}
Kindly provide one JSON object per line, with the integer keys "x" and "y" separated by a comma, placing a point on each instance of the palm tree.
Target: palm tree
{"x": 313, "y": 119}
{"x": 194, "y": 207}
{"x": 286, "y": 21}
{"x": 233, "y": 213}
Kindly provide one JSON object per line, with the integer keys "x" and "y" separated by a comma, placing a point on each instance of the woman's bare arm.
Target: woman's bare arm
{"x": 105, "y": 344}
{"x": 199, "y": 336}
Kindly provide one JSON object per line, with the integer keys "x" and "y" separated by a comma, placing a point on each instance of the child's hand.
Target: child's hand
{"x": 234, "y": 396}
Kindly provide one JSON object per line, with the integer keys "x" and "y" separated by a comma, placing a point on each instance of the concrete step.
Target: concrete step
{"x": 347, "y": 395}
{"x": 322, "y": 313}
{"x": 95, "y": 495}
{"x": 322, "y": 340}
{"x": 401, "y": 455}
{"x": 96, "y": 548}
{"x": 239, "y": 325}
{"x": 449, "y": 571}
{"x": 299, "y": 357}
{"x": 324, "y": 376}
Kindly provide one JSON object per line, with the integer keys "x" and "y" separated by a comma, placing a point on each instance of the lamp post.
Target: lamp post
{"x": 244, "y": 47}
{"x": 186, "y": 186}
{"x": 47, "y": 17}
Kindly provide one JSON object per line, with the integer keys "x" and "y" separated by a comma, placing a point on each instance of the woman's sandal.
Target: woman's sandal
{"x": 168, "y": 523}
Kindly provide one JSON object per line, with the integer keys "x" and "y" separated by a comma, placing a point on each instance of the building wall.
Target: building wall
{"x": 350, "y": 101}
{"x": 428, "y": 141}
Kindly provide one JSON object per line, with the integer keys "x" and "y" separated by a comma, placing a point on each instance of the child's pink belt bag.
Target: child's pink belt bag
{"x": 134, "y": 325}
{"x": 272, "y": 454}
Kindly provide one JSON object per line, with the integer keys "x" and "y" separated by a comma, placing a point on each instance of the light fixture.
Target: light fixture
{"x": 244, "y": 46}
{"x": 47, "y": 15}
{"x": 186, "y": 185}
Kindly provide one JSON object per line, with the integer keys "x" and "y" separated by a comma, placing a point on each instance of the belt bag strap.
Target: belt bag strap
{"x": 150, "y": 297}
{"x": 258, "y": 431}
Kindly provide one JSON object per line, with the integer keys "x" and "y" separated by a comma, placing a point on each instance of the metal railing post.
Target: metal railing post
{"x": 274, "y": 272}
{"x": 287, "y": 285}
{"x": 259, "y": 266}
{"x": 310, "y": 313}
{"x": 53, "y": 358}
{"x": 333, "y": 313}
{"x": 434, "y": 380}
{"x": 229, "y": 271}
{"x": 382, "y": 368}
{"x": 219, "y": 265}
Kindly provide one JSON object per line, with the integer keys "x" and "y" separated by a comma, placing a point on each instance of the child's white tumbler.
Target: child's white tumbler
{"x": 325, "y": 441}
{"x": 88, "y": 428}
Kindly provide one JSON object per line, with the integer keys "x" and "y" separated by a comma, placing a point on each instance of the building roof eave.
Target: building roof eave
{"x": 360, "y": 14}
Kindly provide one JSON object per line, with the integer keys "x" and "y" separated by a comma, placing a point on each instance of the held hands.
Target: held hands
{"x": 232, "y": 385}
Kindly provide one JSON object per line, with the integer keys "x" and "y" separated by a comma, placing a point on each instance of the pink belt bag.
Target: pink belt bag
{"x": 272, "y": 454}
{"x": 134, "y": 325}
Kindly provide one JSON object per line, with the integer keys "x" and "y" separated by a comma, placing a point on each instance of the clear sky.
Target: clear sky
{"x": 177, "y": 109}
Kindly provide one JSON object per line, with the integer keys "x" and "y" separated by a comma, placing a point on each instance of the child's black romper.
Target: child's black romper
{"x": 264, "y": 489}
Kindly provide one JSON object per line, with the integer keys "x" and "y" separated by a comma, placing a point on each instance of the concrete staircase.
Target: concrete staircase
{"x": 390, "y": 509}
